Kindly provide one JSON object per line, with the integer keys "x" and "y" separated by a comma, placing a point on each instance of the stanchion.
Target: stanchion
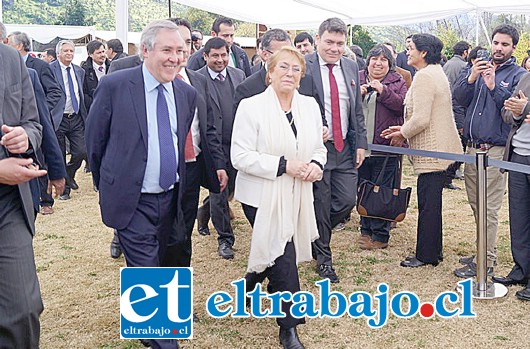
{"x": 482, "y": 289}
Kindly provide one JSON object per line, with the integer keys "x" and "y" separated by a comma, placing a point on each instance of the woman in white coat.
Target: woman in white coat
{"x": 278, "y": 150}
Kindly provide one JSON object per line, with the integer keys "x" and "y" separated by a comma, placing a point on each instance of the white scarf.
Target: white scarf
{"x": 285, "y": 210}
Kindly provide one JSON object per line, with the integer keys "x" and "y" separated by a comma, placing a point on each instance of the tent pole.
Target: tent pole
{"x": 122, "y": 22}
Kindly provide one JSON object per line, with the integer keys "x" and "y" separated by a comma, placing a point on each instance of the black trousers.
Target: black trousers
{"x": 283, "y": 276}
{"x": 378, "y": 229}
{"x": 334, "y": 197}
{"x": 20, "y": 299}
{"x": 179, "y": 248}
{"x": 72, "y": 128}
{"x": 519, "y": 202}
{"x": 429, "y": 239}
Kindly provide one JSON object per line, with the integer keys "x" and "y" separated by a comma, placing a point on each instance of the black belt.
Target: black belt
{"x": 69, "y": 115}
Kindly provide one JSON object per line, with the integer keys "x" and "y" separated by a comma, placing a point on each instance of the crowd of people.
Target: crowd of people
{"x": 286, "y": 134}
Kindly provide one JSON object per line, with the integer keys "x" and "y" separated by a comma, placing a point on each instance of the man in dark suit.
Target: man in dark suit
{"x": 49, "y": 154}
{"x": 223, "y": 27}
{"x": 115, "y": 50}
{"x": 20, "y": 300}
{"x": 72, "y": 121}
{"x": 136, "y": 135}
{"x": 95, "y": 67}
{"x": 205, "y": 161}
{"x": 337, "y": 81}
{"x": 222, "y": 81}
{"x": 402, "y": 58}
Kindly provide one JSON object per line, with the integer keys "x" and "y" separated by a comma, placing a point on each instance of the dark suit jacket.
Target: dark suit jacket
{"x": 124, "y": 63}
{"x": 54, "y": 95}
{"x": 401, "y": 61}
{"x": 255, "y": 68}
{"x": 255, "y": 84}
{"x": 18, "y": 108}
{"x": 237, "y": 77}
{"x": 80, "y": 76}
{"x": 197, "y": 61}
{"x": 356, "y": 129}
{"x": 91, "y": 80}
{"x": 210, "y": 143}
{"x": 116, "y": 139}
{"x": 49, "y": 154}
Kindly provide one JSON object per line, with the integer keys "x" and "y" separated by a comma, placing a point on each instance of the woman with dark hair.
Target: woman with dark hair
{"x": 526, "y": 63}
{"x": 383, "y": 93}
{"x": 429, "y": 125}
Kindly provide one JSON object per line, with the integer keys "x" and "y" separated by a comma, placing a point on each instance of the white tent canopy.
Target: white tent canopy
{"x": 46, "y": 33}
{"x": 307, "y": 14}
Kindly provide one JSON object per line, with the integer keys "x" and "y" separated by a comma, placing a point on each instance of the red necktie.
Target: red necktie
{"x": 189, "y": 152}
{"x": 335, "y": 110}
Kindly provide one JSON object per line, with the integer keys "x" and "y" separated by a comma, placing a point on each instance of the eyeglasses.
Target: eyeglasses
{"x": 286, "y": 67}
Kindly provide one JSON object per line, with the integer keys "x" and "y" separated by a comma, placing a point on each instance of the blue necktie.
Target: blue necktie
{"x": 168, "y": 162}
{"x": 75, "y": 104}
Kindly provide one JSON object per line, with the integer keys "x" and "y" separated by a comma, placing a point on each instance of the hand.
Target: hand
{"x": 394, "y": 134}
{"x": 527, "y": 120}
{"x": 360, "y": 157}
{"x": 15, "y": 171}
{"x": 296, "y": 169}
{"x": 223, "y": 179}
{"x": 516, "y": 104}
{"x": 478, "y": 67}
{"x": 489, "y": 76}
{"x": 363, "y": 89}
{"x": 377, "y": 85}
{"x": 15, "y": 139}
{"x": 325, "y": 134}
{"x": 313, "y": 173}
{"x": 58, "y": 184}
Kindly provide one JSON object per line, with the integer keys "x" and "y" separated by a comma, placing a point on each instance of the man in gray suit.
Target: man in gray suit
{"x": 337, "y": 83}
{"x": 124, "y": 63}
{"x": 222, "y": 81}
{"x": 20, "y": 300}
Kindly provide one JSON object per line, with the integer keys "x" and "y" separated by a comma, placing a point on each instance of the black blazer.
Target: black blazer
{"x": 91, "y": 80}
{"x": 210, "y": 143}
{"x": 54, "y": 95}
{"x": 197, "y": 61}
{"x": 124, "y": 63}
{"x": 116, "y": 140}
{"x": 255, "y": 84}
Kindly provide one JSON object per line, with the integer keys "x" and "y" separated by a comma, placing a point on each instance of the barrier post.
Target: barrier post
{"x": 482, "y": 289}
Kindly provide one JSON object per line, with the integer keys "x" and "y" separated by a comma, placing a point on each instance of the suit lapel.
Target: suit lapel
{"x": 136, "y": 89}
{"x": 2, "y": 91}
{"x": 314, "y": 69}
{"x": 181, "y": 105}
{"x": 58, "y": 75}
{"x": 348, "y": 72}
{"x": 211, "y": 88}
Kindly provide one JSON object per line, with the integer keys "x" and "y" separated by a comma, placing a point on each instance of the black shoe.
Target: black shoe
{"x": 466, "y": 260}
{"x": 195, "y": 318}
{"x": 508, "y": 281}
{"x": 73, "y": 184}
{"x": 225, "y": 251}
{"x": 327, "y": 272}
{"x": 64, "y": 197}
{"x": 451, "y": 186}
{"x": 470, "y": 270}
{"x": 204, "y": 231}
{"x": 523, "y": 294}
{"x": 145, "y": 343}
{"x": 413, "y": 262}
{"x": 115, "y": 250}
{"x": 289, "y": 338}
{"x": 96, "y": 188}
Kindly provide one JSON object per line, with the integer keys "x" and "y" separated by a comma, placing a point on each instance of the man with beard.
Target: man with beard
{"x": 483, "y": 90}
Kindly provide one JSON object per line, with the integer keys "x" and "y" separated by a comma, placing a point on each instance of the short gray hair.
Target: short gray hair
{"x": 149, "y": 33}
{"x": 273, "y": 35}
{"x": 21, "y": 38}
{"x": 3, "y": 31}
{"x": 332, "y": 25}
{"x": 60, "y": 45}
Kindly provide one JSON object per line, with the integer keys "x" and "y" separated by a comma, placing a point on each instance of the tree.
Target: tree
{"x": 74, "y": 13}
{"x": 361, "y": 37}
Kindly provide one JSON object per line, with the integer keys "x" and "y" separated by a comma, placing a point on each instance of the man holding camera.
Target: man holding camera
{"x": 483, "y": 90}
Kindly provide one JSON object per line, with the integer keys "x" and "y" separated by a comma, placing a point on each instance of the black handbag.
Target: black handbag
{"x": 377, "y": 201}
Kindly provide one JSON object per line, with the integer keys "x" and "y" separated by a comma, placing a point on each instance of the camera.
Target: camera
{"x": 483, "y": 55}
{"x": 195, "y": 37}
{"x": 369, "y": 89}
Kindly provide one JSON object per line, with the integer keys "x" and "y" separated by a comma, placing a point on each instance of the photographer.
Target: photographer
{"x": 196, "y": 39}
